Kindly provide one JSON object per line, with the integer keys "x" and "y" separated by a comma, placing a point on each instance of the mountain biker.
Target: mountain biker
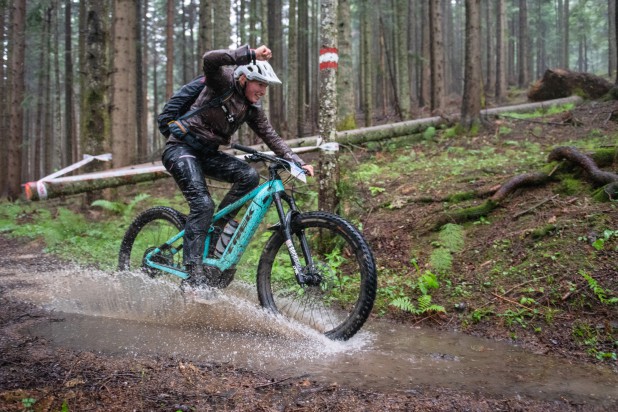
{"x": 191, "y": 153}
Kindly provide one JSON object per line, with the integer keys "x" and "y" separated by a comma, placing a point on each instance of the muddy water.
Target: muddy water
{"x": 128, "y": 313}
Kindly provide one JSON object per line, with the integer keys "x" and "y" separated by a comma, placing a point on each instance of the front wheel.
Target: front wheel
{"x": 150, "y": 230}
{"x": 339, "y": 295}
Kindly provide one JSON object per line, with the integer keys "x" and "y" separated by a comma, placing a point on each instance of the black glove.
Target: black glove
{"x": 178, "y": 128}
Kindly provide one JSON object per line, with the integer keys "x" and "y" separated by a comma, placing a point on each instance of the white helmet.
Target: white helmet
{"x": 260, "y": 70}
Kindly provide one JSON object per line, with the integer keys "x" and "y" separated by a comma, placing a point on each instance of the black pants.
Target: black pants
{"x": 189, "y": 167}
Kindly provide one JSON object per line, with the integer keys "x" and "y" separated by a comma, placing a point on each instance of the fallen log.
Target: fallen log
{"x": 50, "y": 188}
{"x": 71, "y": 185}
{"x": 557, "y": 83}
{"x": 411, "y": 127}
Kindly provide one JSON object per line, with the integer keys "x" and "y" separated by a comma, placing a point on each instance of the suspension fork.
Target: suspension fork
{"x": 286, "y": 227}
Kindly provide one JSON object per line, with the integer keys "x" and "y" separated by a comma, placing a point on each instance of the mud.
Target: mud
{"x": 114, "y": 348}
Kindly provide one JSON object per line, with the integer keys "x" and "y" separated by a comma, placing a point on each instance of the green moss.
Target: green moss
{"x": 429, "y": 133}
{"x": 347, "y": 123}
{"x": 450, "y": 133}
{"x": 570, "y": 186}
{"x": 543, "y": 231}
{"x": 604, "y": 157}
{"x": 460, "y": 197}
{"x": 470, "y": 213}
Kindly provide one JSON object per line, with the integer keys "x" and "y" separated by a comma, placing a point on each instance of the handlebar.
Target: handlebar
{"x": 277, "y": 163}
{"x": 257, "y": 156}
{"x": 245, "y": 149}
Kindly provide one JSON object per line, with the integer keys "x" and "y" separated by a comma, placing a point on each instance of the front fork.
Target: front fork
{"x": 286, "y": 227}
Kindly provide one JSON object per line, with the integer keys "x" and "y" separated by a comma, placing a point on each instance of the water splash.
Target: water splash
{"x": 130, "y": 313}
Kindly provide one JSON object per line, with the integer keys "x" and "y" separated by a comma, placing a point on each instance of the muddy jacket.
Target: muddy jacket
{"x": 211, "y": 126}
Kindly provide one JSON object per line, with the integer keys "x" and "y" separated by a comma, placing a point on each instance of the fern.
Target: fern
{"x": 427, "y": 281}
{"x": 424, "y": 305}
{"x": 441, "y": 260}
{"x": 404, "y": 303}
{"x": 135, "y": 201}
{"x": 119, "y": 208}
{"x": 452, "y": 237}
{"x": 598, "y": 290}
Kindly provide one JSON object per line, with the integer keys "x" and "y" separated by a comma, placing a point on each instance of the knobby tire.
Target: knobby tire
{"x": 150, "y": 229}
{"x": 341, "y": 304}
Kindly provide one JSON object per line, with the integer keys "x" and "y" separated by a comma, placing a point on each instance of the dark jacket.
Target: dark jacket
{"x": 180, "y": 103}
{"x": 211, "y": 125}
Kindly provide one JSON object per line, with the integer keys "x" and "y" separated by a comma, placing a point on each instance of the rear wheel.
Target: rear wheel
{"x": 341, "y": 283}
{"x": 150, "y": 230}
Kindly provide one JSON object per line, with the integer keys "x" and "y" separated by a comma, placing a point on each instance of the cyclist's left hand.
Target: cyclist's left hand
{"x": 308, "y": 169}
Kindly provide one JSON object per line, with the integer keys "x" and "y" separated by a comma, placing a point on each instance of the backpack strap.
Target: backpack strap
{"x": 217, "y": 101}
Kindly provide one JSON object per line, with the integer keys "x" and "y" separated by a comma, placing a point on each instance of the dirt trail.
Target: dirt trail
{"x": 119, "y": 345}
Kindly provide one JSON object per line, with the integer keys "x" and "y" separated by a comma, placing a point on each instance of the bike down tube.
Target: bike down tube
{"x": 249, "y": 224}
{"x": 182, "y": 274}
{"x": 298, "y": 267}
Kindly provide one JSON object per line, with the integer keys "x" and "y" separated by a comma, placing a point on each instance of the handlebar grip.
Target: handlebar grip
{"x": 242, "y": 148}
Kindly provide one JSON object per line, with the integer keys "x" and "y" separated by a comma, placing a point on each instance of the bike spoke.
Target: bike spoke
{"x": 333, "y": 300}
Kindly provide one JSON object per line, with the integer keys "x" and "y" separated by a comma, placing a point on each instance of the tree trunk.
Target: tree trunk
{"x": 414, "y": 52}
{"x": 253, "y": 17}
{"x": 69, "y": 117}
{"x": 346, "y": 105}
{"x": 501, "y": 48}
{"x": 425, "y": 65}
{"x": 94, "y": 80}
{"x": 275, "y": 37}
{"x": 402, "y": 49}
{"x": 140, "y": 85}
{"x": 615, "y": 18}
{"x": 303, "y": 64}
{"x": 328, "y": 164}
{"x": 490, "y": 55}
{"x": 4, "y": 102}
{"x": 541, "y": 36}
{"x": 471, "y": 103}
{"x": 204, "y": 42}
{"x": 522, "y": 51}
{"x": 437, "y": 55}
{"x": 367, "y": 64}
{"x": 567, "y": 34}
{"x": 389, "y": 80}
{"x": 58, "y": 141}
{"x": 222, "y": 26}
{"x": 17, "y": 83}
{"x": 124, "y": 130}
{"x": 46, "y": 137}
{"x": 37, "y": 168}
{"x": 292, "y": 83}
{"x": 169, "y": 50}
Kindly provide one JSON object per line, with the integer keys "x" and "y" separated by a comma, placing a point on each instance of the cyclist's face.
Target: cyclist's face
{"x": 254, "y": 90}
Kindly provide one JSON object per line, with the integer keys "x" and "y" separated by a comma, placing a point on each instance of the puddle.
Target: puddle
{"x": 128, "y": 313}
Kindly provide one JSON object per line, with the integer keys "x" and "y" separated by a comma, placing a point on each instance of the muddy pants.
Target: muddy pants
{"x": 189, "y": 167}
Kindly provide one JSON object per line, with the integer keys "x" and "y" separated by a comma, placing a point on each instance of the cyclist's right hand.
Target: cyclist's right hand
{"x": 308, "y": 169}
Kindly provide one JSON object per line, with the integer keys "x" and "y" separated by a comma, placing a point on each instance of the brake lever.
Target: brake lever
{"x": 253, "y": 158}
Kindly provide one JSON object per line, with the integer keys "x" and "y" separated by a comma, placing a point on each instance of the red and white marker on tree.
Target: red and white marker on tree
{"x": 329, "y": 58}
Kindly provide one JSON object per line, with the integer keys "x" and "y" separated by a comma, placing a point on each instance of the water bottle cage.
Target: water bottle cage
{"x": 225, "y": 236}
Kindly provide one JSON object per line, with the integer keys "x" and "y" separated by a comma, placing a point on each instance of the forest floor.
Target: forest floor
{"x": 517, "y": 278}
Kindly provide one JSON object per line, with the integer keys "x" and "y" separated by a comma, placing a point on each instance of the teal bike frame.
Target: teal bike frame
{"x": 260, "y": 200}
